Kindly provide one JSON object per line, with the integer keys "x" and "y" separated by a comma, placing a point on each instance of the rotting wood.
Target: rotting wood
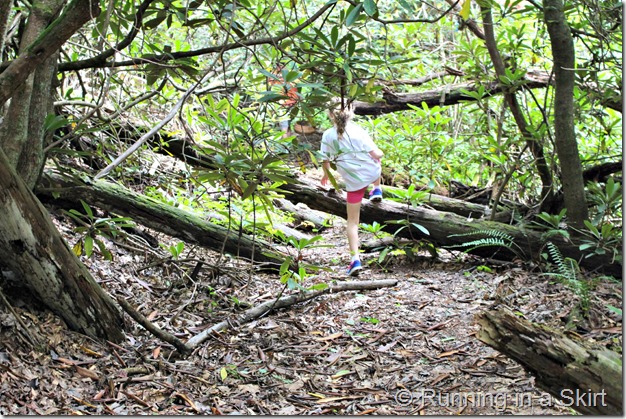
{"x": 286, "y": 301}
{"x": 587, "y": 380}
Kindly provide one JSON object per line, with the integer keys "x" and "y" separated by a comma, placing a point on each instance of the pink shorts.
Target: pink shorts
{"x": 355, "y": 197}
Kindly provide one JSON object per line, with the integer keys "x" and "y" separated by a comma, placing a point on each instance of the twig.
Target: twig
{"x": 156, "y": 331}
{"x": 286, "y": 301}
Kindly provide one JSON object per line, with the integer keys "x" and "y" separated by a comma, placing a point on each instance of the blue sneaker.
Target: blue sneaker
{"x": 376, "y": 195}
{"x": 354, "y": 268}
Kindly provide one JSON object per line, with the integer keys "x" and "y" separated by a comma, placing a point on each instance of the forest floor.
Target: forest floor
{"x": 407, "y": 349}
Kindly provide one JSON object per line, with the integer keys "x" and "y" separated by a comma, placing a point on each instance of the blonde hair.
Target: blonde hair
{"x": 340, "y": 114}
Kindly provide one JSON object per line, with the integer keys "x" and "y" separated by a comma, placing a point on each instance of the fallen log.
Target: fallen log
{"x": 303, "y": 215}
{"x": 286, "y": 301}
{"x": 451, "y": 231}
{"x": 587, "y": 380}
{"x": 159, "y": 216}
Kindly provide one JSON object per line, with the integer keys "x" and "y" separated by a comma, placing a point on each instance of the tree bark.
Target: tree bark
{"x": 587, "y": 380}
{"x": 22, "y": 133}
{"x": 160, "y": 217}
{"x": 33, "y": 250}
{"x": 74, "y": 16}
{"x": 563, "y": 55}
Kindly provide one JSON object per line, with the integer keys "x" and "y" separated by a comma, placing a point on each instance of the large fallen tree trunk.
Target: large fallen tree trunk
{"x": 159, "y": 216}
{"x": 587, "y": 380}
{"x": 451, "y": 231}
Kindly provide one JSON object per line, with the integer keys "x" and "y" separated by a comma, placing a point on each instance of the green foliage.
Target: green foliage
{"x": 552, "y": 224}
{"x": 607, "y": 239}
{"x": 175, "y": 250}
{"x": 487, "y": 238}
{"x": 569, "y": 274}
{"x": 410, "y": 196}
{"x": 603, "y": 234}
{"x": 93, "y": 228}
{"x": 606, "y": 202}
{"x": 292, "y": 271}
{"x": 375, "y": 228}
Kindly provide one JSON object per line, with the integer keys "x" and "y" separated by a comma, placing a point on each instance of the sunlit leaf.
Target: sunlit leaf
{"x": 465, "y": 10}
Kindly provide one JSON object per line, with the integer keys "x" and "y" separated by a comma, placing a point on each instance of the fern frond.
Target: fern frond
{"x": 484, "y": 242}
{"x": 489, "y": 233}
{"x": 489, "y": 238}
{"x": 565, "y": 266}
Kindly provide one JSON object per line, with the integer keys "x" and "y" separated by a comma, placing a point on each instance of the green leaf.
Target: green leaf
{"x": 318, "y": 287}
{"x": 615, "y": 310}
{"x": 465, "y": 10}
{"x": 421, "y": 228}
{"x": 88, "y": 246}
{"x": 87, "y": 208}
{"x": 223, "y": 373}
{"x": 354, "y": 14}
{"x": 370, "y": 7}
{"x": 249, "y": 190}
{"x": 54, "y": 122}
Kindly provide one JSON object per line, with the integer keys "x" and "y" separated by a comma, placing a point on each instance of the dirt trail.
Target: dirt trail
{"x": 410, "y": 349}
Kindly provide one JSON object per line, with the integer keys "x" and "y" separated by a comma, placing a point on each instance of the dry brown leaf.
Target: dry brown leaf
{"x": 84, "y": 372}
{"x": 448, "y": 353}
{"x": 156, "y": 352}
{"x": 385, "y": 348}
{"x": 90, "y": 352}
{"x": 334, "y": 357}
{"x": 330, "y": 337}
{"x": 188, "y": 400}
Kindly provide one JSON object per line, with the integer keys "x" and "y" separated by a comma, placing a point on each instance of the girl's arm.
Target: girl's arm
{"x": 376, "y": 153}
{"x": 326, "y": 168}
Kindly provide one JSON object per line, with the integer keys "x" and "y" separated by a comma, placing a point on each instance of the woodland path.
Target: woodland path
{"x": 374, "y": 352}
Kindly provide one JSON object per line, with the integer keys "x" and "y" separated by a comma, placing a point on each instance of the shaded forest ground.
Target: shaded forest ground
{"x": 409, "y": 349}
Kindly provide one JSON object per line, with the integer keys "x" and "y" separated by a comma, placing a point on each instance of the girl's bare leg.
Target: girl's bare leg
{"x": 354, "y": 212}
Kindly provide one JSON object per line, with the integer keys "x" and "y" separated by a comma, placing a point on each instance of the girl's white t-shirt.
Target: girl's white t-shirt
{"x": 351, "y": 155}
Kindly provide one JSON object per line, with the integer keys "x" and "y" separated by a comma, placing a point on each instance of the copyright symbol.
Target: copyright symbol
{"x": 403, "y": 397}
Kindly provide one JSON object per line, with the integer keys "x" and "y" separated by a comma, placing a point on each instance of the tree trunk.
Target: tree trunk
{"x": 547, "y": 193}
{"x": 74, "y": 16}
{"x": 21, "y": 134}
{"x": 160, "y": 217}
{"x": 449, "y": 230}
{"x": 588, "y": 380}
{"x": 34, "y": 251}
{"x": 563, "y": 55}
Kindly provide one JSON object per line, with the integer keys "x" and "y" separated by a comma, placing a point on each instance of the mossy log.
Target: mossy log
{"x": 159, "y": 216}
{"x": 587, "y": 380}
{"x": 448, "y": 230}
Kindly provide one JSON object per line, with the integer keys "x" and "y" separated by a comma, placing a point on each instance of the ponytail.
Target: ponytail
{"x": 340, "y": 118}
